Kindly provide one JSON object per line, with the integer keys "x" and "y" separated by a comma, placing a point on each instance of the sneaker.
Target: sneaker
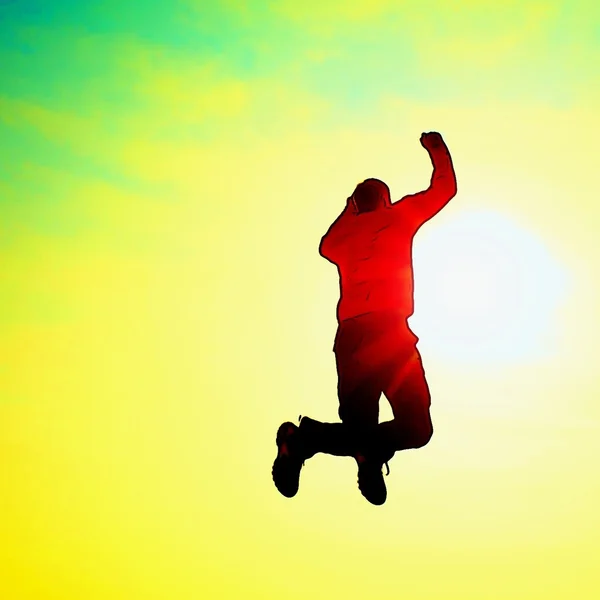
{"x": 370, "y": 480}
{"x": 289, "y": 461}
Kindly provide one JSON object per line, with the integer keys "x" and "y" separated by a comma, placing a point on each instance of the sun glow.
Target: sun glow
{"x": 485, "y": 290}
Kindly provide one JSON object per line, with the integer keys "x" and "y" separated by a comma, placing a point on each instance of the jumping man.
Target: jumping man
{"x": 370, "y": 243}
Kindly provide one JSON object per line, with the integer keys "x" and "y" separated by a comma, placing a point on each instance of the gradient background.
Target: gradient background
{"x": 167, "y": 171}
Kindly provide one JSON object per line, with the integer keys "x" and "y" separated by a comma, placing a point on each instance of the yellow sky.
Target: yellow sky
{"x": 165, "y": 306}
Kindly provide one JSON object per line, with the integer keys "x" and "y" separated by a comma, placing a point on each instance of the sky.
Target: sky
{"x": 167, "y": 172}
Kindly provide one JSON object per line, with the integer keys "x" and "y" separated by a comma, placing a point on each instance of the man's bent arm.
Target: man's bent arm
{"x": 442, "y": 187}
{"x": 331, "y": 240}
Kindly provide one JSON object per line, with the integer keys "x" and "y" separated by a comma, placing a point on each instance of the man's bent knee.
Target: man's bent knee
{"x": 421, "y": 439}
{"x": 408, "y": 438}
{"x": 401, "y": 436}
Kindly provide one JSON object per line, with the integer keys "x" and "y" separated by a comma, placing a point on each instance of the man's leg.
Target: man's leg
{"x": 358, "y": 410}
{"x": 359, "y": 389}
{"x": 296, "y": 444}
{"x": 359, "y": 394}
{"x": 408, "y": 393}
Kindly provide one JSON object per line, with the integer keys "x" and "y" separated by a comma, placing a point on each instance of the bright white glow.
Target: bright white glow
{"x": 486, "y": 290}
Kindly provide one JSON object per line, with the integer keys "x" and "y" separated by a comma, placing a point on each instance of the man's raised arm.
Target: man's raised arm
{"x": 442, "y": 188}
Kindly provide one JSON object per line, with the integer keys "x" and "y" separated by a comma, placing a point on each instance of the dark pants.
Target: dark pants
{"x": 375, "y": 353}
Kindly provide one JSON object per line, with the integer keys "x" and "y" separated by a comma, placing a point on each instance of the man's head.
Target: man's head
{"x": 370, "y": 195}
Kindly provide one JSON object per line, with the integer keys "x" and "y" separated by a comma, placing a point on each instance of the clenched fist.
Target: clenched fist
{"x": 431, "y": 140}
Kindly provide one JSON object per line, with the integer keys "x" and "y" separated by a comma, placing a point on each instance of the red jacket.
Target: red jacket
{"x": 373, "y": 250}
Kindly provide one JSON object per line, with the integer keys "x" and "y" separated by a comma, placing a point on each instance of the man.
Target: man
{"x": 370, "y": 243}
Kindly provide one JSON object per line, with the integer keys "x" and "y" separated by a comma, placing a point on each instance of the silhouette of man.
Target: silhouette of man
{"x": 370, "y": 243}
